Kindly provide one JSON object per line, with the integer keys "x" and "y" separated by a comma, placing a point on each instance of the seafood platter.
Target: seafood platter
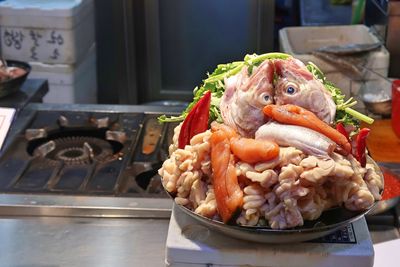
{"x": 271, "y": 151}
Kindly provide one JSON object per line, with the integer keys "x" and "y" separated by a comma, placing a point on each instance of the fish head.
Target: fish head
{"x": 293, "y": 80}
{"x": 258, "y": 90}
{"x": 296, "y": 85}
{"x": 246, "y": 93}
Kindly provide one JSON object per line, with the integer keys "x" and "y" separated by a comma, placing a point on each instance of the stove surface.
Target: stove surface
{"x": 86, "y": 152}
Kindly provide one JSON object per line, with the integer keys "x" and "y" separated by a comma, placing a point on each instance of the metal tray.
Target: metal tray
{"x": 329, "y": 221}
{"x": 384, "y": 205}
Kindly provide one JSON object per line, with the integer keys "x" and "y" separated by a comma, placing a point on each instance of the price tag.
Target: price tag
{"x": 6, "y": 117}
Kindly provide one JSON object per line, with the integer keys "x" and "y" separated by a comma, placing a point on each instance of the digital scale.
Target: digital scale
{"x": 191, "y": 244}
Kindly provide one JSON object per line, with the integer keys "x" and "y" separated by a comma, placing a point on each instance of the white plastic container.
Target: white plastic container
{"x": 301, "y": 41}
{"x": 69, "y": 83}
{"x": 56, "y": 31}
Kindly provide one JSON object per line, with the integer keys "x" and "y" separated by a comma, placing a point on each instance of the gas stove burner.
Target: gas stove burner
{"x": 76, "y": 155}
{"x": 76, "y": 150}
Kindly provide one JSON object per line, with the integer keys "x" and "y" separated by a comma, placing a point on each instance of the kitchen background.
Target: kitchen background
{"x": 153, "y": 51}
{"x": 81, "y": 180}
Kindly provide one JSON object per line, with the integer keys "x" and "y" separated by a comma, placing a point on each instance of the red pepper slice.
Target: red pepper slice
{"x": 340, "y": 128}
{"x": 361, "y": 144}
{"x": 201, "y": 116}
{"x": 196, "y": 121}
{"x": 184, "y": 137}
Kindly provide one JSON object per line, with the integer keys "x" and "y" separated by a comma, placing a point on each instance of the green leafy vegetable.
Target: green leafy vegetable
{"x": 215, "y": 83}
{"x": 344, "y": 113}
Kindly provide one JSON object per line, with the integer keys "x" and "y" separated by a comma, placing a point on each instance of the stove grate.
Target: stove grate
{"x": 87, "y": 153}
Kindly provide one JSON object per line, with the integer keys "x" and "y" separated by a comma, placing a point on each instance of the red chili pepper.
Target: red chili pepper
{"x": 340, "y": 128}
{"x": 361, "y": 143}
{"x": 196, "y": 121}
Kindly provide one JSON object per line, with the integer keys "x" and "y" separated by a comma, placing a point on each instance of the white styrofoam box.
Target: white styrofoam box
{"x": 56, "y": 31}
{"x": 69, "y": 83}
{"x": 191, "y": 244}
{"x": 386, "y": 253}
{"x": 301, "y": 41}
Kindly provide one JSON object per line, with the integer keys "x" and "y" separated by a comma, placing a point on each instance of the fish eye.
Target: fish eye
{"x": 265, "y": 98}
{"x": 290, "y": 90}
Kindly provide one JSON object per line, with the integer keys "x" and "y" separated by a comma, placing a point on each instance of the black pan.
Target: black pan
{"x": 13, "y": 85}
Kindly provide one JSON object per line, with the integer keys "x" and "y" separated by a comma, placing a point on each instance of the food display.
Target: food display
{"x": 268, "y": 141}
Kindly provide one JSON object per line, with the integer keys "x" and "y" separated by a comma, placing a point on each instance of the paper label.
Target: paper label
{"x": 6, "y": 117}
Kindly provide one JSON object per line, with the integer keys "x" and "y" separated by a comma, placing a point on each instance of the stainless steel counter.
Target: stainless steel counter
{"x": 60, "y": 241}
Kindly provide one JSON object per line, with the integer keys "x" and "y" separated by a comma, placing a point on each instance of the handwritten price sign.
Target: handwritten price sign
{"x": 30, "y": 44}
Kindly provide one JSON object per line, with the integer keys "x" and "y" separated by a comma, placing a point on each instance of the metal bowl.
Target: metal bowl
{"x": 380, "y": 108}
{"x": 384, "y": 205}
{"x": 330, "y": 221}
{"x": 377, "y": 96}
{"x": 12, "y": 85}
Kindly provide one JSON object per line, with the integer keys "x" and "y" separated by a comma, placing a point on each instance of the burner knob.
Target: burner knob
{"x": 116, "y": 136}
{"x": 31, "y": 134}
{"x": 102, "y": 122}
{"x": 63, "y": 121}
{"x": 45, "y": 149}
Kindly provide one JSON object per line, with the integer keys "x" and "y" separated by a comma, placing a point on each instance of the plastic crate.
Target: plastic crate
{"x": 301, "y": 41}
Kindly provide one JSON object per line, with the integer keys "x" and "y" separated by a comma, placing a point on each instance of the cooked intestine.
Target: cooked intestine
{"x": 197, "y": 193}
{"x": 360, "y": 197}
{"x": 286, "y": 156}
{"x": 265, "y": 178}
{"x": 313, "y": 203}
{"x": 352, "y": 191}
{"x": 208, "y": 206}
{"x": 373, "y": 181}
{"x": 253, "y": 200}
{"x": 318, "y": 170}
{"x": 174, "y": 144}
{"x": 182, "y": 171}
{"x": 281, "y": 193}
{"x": 289, "y": 185}
{"x": 285, "y": 215}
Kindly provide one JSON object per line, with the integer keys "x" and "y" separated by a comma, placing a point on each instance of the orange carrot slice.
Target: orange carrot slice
{"x": 292, "y": 114}
{"x": 230, "y": 132}
{"x": 252, "y": 151}
{"x": 228, "y": 193}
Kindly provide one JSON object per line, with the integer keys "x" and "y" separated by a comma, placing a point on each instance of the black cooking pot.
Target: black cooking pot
{"x": 12, "y": 85}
